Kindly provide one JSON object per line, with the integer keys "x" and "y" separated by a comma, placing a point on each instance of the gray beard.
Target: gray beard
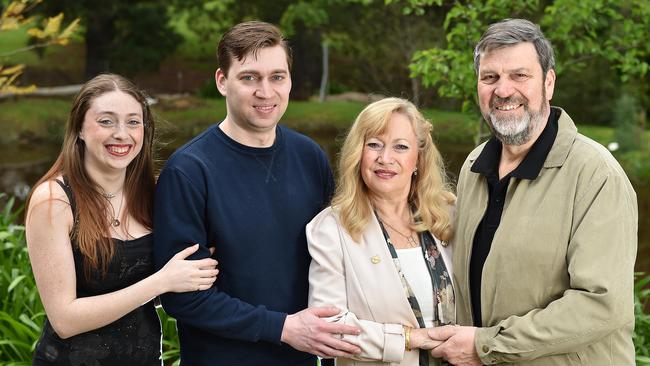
{"x": 516, "y": 131}
{"x": 523, "y": 131}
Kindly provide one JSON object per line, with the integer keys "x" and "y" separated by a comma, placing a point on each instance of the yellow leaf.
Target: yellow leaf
{"x": 70, "y": 29}
{"x": 35, "y": 32}
{"x": 11, "y": 70}
{"x": 15, "y": 9}
{"x": 9, "y": 24}
{"x": 53, "y": 25}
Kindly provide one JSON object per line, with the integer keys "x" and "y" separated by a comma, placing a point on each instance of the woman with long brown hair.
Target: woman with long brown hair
{"x": 88, "y": 228}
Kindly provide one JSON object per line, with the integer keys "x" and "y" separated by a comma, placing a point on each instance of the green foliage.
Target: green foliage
{"x": 21, "y": 311}
{"x": 642, "y": 319}
{"x": 142, "y": 38}
{"x": 580, "y": 31}
{"x": 202, "y": 23}
{"x": 450, "y": 68}
{"x": 311, "y": 13}
{"x": 415, "y": 6}
{"x": 613, "y": 30}
{"x": 628, "y": 132}
{"x": 171, "y": 350}
{"x": 13, "y": 16}
{"x": 125, "y": 36}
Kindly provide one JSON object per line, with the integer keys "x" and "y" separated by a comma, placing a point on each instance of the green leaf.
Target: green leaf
{"x": 15, "y": 282}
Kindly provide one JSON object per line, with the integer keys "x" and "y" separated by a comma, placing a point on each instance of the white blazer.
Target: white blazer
{"x": 360, "y": 279}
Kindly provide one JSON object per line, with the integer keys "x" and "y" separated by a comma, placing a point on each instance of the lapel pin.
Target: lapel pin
{"x": 375, "y": 259}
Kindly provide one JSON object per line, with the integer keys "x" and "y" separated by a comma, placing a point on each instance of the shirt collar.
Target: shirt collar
{"x": 487, "y": 162}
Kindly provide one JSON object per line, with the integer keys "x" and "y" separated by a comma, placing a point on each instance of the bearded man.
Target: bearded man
{"x": 546, "y": 227}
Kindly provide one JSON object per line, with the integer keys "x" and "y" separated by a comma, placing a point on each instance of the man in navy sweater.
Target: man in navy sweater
{"x": 248, "y": 187}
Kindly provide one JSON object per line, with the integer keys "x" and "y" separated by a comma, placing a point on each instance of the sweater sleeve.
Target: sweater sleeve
{"x": 179, "y": 221}
{"x": 327, "y": 286}
{"x": 600, "y": 257}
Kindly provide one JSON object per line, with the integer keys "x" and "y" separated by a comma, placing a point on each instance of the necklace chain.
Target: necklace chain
{"x": 115, "y": 221}
{"x": 409, "y": 238}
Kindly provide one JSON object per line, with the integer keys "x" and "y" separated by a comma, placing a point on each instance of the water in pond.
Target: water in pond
{"x": 20, "y": 167}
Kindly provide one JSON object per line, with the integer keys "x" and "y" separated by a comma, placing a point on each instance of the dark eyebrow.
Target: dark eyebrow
{"x": 256, "y": 73}
{"x": 248, "y": 72}
{"x": 115, "y": 114}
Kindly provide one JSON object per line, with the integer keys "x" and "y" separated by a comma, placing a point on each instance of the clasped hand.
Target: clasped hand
{"x": 456, "y": 345}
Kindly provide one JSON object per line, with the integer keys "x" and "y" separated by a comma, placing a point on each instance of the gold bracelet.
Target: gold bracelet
{"x": 407, "y": 337}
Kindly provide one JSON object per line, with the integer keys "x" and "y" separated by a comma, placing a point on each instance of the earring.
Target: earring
{"x": 415, "y": 172}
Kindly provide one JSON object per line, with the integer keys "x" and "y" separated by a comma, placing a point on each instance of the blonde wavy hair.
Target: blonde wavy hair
{"x": 430, "y": 193}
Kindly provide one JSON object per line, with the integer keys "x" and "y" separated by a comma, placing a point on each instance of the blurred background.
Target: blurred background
{"x": 346, "y": 53}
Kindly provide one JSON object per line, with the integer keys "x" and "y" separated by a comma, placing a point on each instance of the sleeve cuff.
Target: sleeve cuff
{"x": 393, "y": 343}
{"x": 272, "y": 330}
{"x": 484, "y": 344}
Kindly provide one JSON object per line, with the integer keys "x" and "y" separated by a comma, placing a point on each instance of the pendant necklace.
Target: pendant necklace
{"x": 115, "y": 222}
{"x": 410, "y": 240}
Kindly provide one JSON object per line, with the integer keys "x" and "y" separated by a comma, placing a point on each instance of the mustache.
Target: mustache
{"x": 497, "y": 101}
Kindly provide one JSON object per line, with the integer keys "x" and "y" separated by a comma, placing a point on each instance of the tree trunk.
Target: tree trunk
{"x": 415, "y": 90}
{"x": 100, "y": 30}
{"x": 326, "y": 71}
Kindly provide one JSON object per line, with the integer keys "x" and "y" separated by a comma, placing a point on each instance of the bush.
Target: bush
{"x": 21, "y": 311}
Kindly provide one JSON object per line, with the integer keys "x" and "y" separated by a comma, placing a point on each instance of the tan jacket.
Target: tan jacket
{"x": 361, "y": 280}
{"x": 557, "y": 285}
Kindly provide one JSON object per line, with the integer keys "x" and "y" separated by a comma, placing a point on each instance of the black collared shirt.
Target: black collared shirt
{"x": 487, "y": 164}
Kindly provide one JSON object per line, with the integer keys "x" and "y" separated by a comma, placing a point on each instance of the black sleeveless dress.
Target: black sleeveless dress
{"x": 134, "y": 339}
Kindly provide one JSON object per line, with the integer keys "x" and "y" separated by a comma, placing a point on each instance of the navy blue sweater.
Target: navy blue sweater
{"x": 252, "y": 204}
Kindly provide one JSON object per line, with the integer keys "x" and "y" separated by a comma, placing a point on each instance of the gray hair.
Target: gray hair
{"x": 510, "y": 32}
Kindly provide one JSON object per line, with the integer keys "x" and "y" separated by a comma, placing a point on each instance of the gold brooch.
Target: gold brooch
{"x": 375, "y": 259}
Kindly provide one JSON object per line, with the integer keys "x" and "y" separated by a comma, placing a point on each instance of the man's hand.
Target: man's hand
{"x": 458, "y": 348}
{"x": 307, "y": 332}
{"x": 420, "y": 339}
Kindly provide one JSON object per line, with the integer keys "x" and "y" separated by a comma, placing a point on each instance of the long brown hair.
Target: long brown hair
{"x": 92, "y": 231}
{"x": 430, "y": 192}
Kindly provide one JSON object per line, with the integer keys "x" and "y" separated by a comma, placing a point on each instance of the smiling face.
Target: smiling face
{"x": 389, "y": 160}
{"x": 112, "y": 132}
{"x": 513, "y": 93}
{"x": 256, "y": 90}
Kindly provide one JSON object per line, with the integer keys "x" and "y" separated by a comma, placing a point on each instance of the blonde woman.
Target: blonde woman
{"x": 379, "y": 252}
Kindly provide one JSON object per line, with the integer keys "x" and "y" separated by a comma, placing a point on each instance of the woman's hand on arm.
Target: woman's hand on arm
{"x": 182, "y": 275}
{"x": 48, "y": 224}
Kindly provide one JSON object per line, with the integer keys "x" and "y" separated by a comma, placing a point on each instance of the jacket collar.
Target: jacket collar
{"x": 566, "y": 135}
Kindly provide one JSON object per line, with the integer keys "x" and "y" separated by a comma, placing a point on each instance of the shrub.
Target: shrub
{"x": 21, "y": 311}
